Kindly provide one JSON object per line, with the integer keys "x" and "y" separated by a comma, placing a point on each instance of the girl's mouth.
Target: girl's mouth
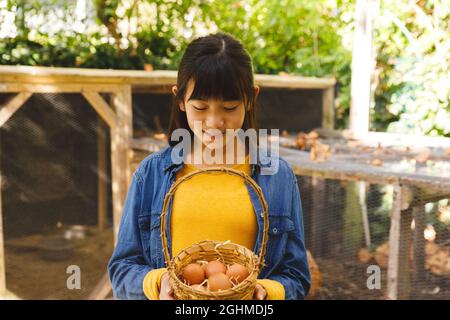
{"x": 211, "y": 134}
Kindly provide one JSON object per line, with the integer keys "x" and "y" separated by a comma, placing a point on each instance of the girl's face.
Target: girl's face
{"x": 212, "y": 114}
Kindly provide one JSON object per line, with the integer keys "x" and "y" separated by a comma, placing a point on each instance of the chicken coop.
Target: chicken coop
{"x": 67, "y": 152}
{"x": 382, "y": 201}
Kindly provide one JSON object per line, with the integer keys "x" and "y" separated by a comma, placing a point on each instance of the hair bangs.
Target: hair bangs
{"x": 215, "y": 78}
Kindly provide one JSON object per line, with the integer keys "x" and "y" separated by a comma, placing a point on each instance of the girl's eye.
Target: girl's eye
{"x": 231, "y": 108}
{"x": 199, "y": 109}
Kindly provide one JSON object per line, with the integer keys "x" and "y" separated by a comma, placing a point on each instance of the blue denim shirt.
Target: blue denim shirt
{"x": 139, "y": 246}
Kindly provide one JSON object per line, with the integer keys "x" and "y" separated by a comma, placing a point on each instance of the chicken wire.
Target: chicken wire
{"x": 347, "y": 227}
{"x": 50, "y": 174}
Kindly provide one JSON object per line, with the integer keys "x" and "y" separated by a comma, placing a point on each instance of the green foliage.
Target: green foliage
{"x": 309, "y": 38}
{"x": 413, "y": 46}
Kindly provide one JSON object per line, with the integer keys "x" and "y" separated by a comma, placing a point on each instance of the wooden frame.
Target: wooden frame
{"x": 117, "y": 114}
{"x": 411, "y": 193}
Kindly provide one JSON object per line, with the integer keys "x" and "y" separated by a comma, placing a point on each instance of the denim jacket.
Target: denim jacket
{"x": 139, "y": 247}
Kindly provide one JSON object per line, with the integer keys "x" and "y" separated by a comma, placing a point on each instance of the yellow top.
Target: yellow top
{"x": 213, "y": 207}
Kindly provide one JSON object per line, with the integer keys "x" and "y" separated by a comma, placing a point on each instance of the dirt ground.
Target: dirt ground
{"x": 29, "y": 276}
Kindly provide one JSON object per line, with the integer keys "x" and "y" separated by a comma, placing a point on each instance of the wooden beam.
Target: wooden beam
{"x": 328, "y": 108}
{"x": 101, "y": 107}
{"x": 102, "y": 289}
{"x": 362, "y": 66}
{"x": 398, "y": 286}
{"x": 2, "y": 247}
{"x": 419, "y": 247}
{"x": 102, "y": 190}
{"x": 12, "y": 106}
{"x": 80, "y": 76}
{"x": 122, "y": 100}
{"x": 6, "y": 87}
{"x": 121, "y": 152}
{"x": 118, "y": 179}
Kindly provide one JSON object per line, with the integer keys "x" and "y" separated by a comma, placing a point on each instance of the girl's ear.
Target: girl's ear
{"x": 181, "y": 104}
{"x": 256, "y": 89}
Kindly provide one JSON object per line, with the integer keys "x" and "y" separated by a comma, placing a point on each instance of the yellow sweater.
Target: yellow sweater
{"x": 214, "y": 207}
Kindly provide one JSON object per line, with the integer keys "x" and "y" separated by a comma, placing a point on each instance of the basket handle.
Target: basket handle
{"x": 230, "y": 171}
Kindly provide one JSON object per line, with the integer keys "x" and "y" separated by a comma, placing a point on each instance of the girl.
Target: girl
{"x": 215, "y": 89}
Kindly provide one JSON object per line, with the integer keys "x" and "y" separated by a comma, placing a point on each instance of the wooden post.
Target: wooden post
{"x": 102, "y": 190}
{"x": 2, "y": 248}
{"x": 328, "y": 108}
{"x": 362, "y": 66}
{"x": 399, "y": 247}
{"x": 419, "y": 247}
{"x": 12, "y": 106}
{"x": 121, "y": 153}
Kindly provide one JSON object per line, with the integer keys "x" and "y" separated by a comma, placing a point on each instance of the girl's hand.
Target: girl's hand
{"x": 260, "y": 292}
{"x": 166, "y": 292}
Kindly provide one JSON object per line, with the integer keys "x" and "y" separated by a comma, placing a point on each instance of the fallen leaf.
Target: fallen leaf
{"x": 377, "y": 162}
{"x": 423, "y": 156}
{"x": 313, "y": 135}
{"x": 364, "y": 255}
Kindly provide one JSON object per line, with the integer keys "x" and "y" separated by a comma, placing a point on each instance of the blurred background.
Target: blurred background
{"x": 56, "y": 173}
{"x": 312, "y": 38}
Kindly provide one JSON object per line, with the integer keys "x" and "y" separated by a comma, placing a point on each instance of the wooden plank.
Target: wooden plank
{"x": 419, "y": 248}
{"x": 328, "y": 108}
{"x": 50, "y": 75}
{"x": 117, "y": 179}
{"x": 54, "y": 87}
{"x": 121, "y": 153}
{"x": 2, "y": 247}
{"x": 100, "y": 105}
{"x": 122, "y": 101}
{"x": 399, "y": 248}
{"x": 362, "y": 66}
{"x": 102, "y": 190}
{"x": 12, "y": 106}
{"x": 102, "y": 289}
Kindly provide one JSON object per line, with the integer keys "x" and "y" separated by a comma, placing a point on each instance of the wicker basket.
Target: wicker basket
{"x": 209, "y": 250}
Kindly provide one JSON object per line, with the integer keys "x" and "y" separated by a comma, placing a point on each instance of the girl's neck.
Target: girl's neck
{"x": 229, "y": 158}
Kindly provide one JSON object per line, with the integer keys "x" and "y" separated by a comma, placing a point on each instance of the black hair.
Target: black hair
{"x": 221, "y": 69}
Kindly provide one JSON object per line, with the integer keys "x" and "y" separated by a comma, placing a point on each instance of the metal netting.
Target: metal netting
{"x": 50, "y": 174}
{"x": 347, "y": 230}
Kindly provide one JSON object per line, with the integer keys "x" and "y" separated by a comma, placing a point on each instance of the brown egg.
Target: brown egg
{"x": 199, "y": 287}
{"x": 237, "y": 273}
{"x": 219, "y": 281}
{"x": 193, "y": 273}
{"x": 214, "y": 267}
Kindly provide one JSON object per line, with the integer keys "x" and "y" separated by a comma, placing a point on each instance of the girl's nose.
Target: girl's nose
{"x": 214, "y": 122}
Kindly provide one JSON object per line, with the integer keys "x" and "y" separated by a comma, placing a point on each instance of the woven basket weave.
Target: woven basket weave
{"x": 208, "y": 250}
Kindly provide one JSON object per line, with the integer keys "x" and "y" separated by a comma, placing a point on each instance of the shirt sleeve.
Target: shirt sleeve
{"x": 294, "y": 273}
{"x": 274, "y": 289}
{"x": 127, "y": 266}
{"x": 152, "y": 283}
